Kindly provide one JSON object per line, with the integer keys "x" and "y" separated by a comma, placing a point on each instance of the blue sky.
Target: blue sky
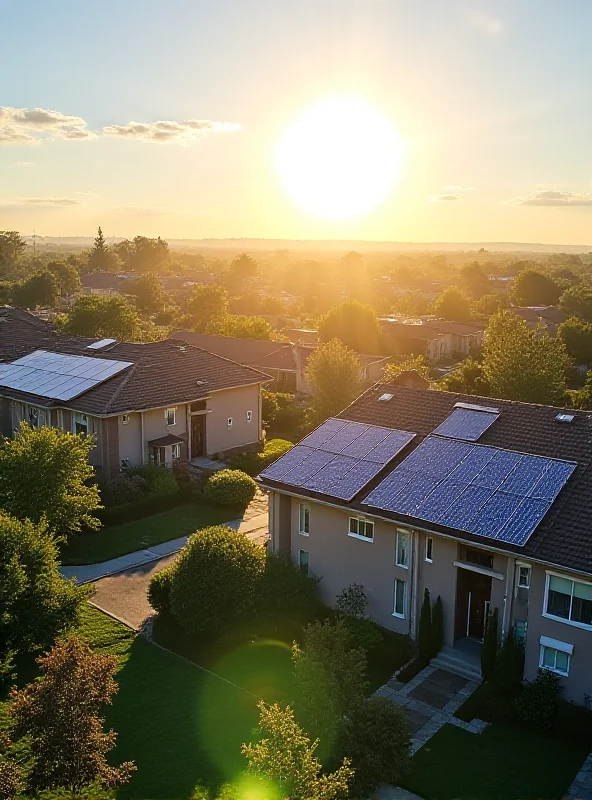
{"x": 492, "y": 96}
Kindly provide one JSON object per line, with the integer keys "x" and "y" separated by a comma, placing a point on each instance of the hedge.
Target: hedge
{"x": 146, "y": 507}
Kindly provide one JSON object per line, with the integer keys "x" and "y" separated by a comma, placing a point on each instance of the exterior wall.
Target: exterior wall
{"x": 130, "y": 439}
{"x": 233, "y": 403}
{"x": 155, "y": 427}
{"x": 439, "y": 577}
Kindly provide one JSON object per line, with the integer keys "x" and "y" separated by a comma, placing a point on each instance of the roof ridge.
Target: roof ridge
{"x": 121, "y": 386}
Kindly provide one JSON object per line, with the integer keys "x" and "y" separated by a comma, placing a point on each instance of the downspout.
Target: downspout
{"x": 415, "y": 535}
{"x": 142, "y": 436}
{"x": 510, "y": 567}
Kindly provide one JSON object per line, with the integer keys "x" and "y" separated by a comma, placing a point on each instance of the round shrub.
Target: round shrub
{"x": 287, "y": 593}
{"x": 537, "y": 705}
{"x": 159, "y": 590}
{"x": 230, "y": 487}
{"x": 216, "y": 580}
{"x": 164, "y": 484}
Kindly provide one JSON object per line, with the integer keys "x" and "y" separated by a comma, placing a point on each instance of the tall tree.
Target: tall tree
{"x": 533, "y": 288}
{"x": 207, "y": 308}
{"x": 148, "y": 292}
{"x": 242, "y": 268}
{"x": 453, "y": 305}
{"x": 474, "y": 279}
{"x": 94, "y": 315}
{"x": 100, "y": 258}
{"x": 416, "y": 363}
{"x": 60, "y": 714}
{"x": 333, "y": 372}
{"x": 39, "y": 290}
{"x": 353, "y": 323}
{"x": 523, "y": 364}
{"x": 576, "y": 335}
{"x": 12, "y": 246}
{"x": 243, "y": 327}
{"x": 66, "y": 275}
{"x": 56, "y": 465}
{"x": 148, "y": 255}
{"x": 577, "y": 302}
{"x": 466, "y": 378}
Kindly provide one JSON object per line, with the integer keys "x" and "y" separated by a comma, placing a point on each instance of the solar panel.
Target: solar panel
{"x": 338, "y": 458}
{"x": 58, "y": 376}
{"x": 100, "y": 344}
{"x": 498, "y": 494}
{"x": 465, "y": 423}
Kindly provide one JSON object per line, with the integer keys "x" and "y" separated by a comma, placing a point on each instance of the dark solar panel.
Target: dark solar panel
{"x": 348, "y": 487}
{"x": 344, "y": 437}
{"x": 365, "y": 442}
{"x": 307, "y": 468}
{"x": 287, "y": 462}
{"x": 466, "y": 423}
{"x": 328, "y": 475}
{"x": 323, "y": 432}
{"x": 389, "y": 447}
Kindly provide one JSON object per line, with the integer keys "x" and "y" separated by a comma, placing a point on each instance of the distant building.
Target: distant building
{"x": 550, "y": 317}
{"x": 434, "y": 338}
{"x": 103, "y": 283}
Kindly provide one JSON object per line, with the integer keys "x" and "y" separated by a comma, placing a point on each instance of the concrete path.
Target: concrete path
{"x": 581, "y": 788}
{"x": 386, "y": 792}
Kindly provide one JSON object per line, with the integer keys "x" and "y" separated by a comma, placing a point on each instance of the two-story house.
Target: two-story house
{"x": 158, "y": 402}
{"x": 486, "y": 503}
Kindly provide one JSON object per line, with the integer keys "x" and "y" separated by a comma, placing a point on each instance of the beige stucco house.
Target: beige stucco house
{"x": 159, "y": 402}
{"x": 486, "y": 503}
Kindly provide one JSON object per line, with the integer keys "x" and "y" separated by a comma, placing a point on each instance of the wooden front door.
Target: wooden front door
{"x": 198, "y": 435}
{"x": 473, "y": 595}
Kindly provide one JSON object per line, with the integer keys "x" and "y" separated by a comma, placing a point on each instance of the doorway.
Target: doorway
{"x": 198, "y": 435}
{"x": 473, "y": 596}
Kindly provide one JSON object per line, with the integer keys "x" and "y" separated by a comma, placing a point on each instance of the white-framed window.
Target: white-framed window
{"x": 568, "y": 600}
{"x": 429, "y": 548}
{"x": 170, "y": 416}
{"x": 176, "y": 451}
{"x": 303, "y": 561}
{"x": 33, "y": 416}
{"x": 520, "y": 629}
{"x": 124, "y": 419}
{"x": 402, "y": 549}
{"x": 361, "y": 528}
{"x": 304, "y": 519}
{"x": 229, "y": 422}
{"x": 79, "y": 423}
{"x": 249, "y": 416}
{"x": 555, "y": 655}
{"x": 524, "y": 572}
{"x": 400, "y": 598}
{"x": 364, "y": 373}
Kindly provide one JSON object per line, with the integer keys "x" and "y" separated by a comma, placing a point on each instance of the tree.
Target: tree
{"x": 56, "y": 465}
{"x": 474, "y": 279}
{"x": 60, "y": 715}
{"x": 11, "y": 774}
{"x": 286, "y": 757}
{"x": 576, "y": 335}
{"x": 453, "y": 305}
{"x": 94, "y": 315}
{"x": 523, "y": 364}
{"x": 533, "y": 288}
{"x": 437, "y": 626}
{"x": 67, "y": 277}
{"x": 354, "y": 324}
{"x": 490, "y": 304}
{"x": 424, "y": 634}
{"x": 148, "y": 292}
{"x": 509, "y": 666}
{"x": 490, "y": 645}
{"x": 577, "y": 302}
{"x": 147, "y": 255}
{"x": 37, "y": 603}
{"x": 39, "y": 290}
{"x": 416, "y": 363}
{"x": 242, "y": 327}
{"x": 333, "y": 372}
{"x": 242, "y": 268}
{"x": 207, "y": 307}
{"x": 100, "y": 258}
{"x": 466, "y": 378}
{"x": 12, "y": 246}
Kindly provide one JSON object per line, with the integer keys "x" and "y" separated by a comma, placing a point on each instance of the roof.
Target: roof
{"x": 253, "y": 352}
{"x": 535, "y": 313}
{"x": 102, "y": 280}
{"x": 163, "y": 441}
{"x": 564, "y": 537}
{"x": 365, "y": 359}
{"x": 429, "y": 329}
{"x": 162, "y": 373}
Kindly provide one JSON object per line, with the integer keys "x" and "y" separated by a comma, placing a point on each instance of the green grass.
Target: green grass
{"x": 499, "y": 764}
{"x": 118, "y": 540}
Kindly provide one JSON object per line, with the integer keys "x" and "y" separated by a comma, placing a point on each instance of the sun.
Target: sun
{"x": 339, "y": 159}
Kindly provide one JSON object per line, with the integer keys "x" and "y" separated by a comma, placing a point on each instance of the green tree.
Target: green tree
{"x": 11, "y": 773}
{"x": 577, "y": 302}
{"x": 285, "y": 756}
{"x": 417, "y": 363}
{"x": 38, "y": 290}
{"x": 100, "y": 258}
{"x": 67, "y": 277}
{"x": 509, "y": 666}
{"x": 424, "y": 635}
{"x": 533, "y": 288}
{"x": 37, "y": 603}
{"x": 453, "y": 305}
{"x": 243, "y": 327}
{"x": 207, "y": 308}
{"x": 148, "y": 292}
{"x": 148, "y": 255}
{"x": 93, "y": 315}
{"x": 474, "y": 279}
{"x": 354, "y": 324}
{"x": 333, "y": 372}
{"x": 523, "y": 364}
{"x": 490, "y": 645}
{"x": 576, "y": 335}
{"x": 242, "y": 268}
{"x": 466, "y": 378}
{"x": 60, "y": 716}
{"x": 12, "y": 246}
{"x": 437, "y": 626}
{"x": 490, "y": 304}
{"x": 56, "y": 465}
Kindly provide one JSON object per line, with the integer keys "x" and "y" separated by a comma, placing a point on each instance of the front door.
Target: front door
{"x": 473, "y": 595}
{"x": 198, "y": 438}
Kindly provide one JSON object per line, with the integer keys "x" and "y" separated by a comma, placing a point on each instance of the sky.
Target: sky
{"x": 490, "y": 102}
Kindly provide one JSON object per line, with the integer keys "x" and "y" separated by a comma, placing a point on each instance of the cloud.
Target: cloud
{"x": 40, "y": 202}
{"x": 168, "y": 131}
{"x": 90, "y": 195}
{"x": 485, "y": 22}
{"x": 443, "y": 198}
{"x": 33, "y": 125}
{"x": 453, "y": 187}
{"x": 552, "y": 197}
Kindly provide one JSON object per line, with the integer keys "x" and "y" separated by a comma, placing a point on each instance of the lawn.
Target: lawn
{"x": 499, "y": 764}
{"x": 118, "y": 540}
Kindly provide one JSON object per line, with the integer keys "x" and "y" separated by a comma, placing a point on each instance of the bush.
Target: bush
{"x": 216, "y": 580}
{"x": 255, "y": 462}
{"x": 145, "y": 507}
{"x": 159, "y": 590}
{"x": 424, "y": 635}
{"x": 287, "y": 593}
{"x": 352, "y": 600}
{"x": 282, "y": 416}
{"x": 489, "y": 649}
{"x": 191, "y": 484}
{"x": 230, "y": 487}
{"x": 377, "y": 739}
{"x": 363, "y": 632}
{"x": 136, "y": 483}
{"x": 537, "y": 705}
{"x": 437, "y": 627}
{"x": 508, "y": 671}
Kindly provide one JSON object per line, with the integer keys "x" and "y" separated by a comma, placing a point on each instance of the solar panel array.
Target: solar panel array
{"x": 58, "y": 376}
{"x": 465, "y": 423}
{"x": 494, "y": 493}
{"x": 338, "y": 458}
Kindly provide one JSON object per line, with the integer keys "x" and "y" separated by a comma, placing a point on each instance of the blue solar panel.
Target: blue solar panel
{"x": 412, "y": 495}
{"x": 327, "y": 476}
{"x": 441, "y": 498}
{"x": 466, "y": 505}
{"x": 389, "y": 447}
{"x": 307, "y": 468}
{"x": 465, "y": 423}
{"x": 521, "y": 480}
{"x": 389, "y": 488}
{"x": 474, "y": 462}
{"x": 348, "y": 487}
{"x": 524, "y": 520}
{"x": 498, "y": 469}
{"x": 491, "y": 517}
{"x": 365, "y": 442}
{"x": 287, "y": 462}
{"x": 323, "y": 432}
{"x": 344, "y": 437}
{"x": 557, "y": 473}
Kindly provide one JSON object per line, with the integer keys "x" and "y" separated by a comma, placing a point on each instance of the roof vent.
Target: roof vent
{"x": 201, "y": 383}
{"x": 565, "y": 418}
{"x": 100, "y": 344}
{"x": 385, "y": 397}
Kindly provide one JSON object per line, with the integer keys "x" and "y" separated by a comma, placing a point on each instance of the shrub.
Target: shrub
{"x": 509, "y": 666}
{"x": 489, "y": 649}
{"x": 537, "y": 705}
{"x": 216, "y": 580}
{"x": 363, "y": 632}
{"x": 230, "y": 487}
{"x": 191, "y": 484}
{"x": 424, "y": 634}
{"x": 253, "y": 463}
{"x": 159, "y": 590}
{"x": 352, "y": 600}
{"x": 437, "y": 627}
{"x": 287, "y": 593}
{"x": 377, "y": 739}
{"x": 134, "y": 484}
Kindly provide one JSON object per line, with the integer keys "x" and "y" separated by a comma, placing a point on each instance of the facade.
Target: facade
{"x": 171, "y": 402}
{"x": 542, "y": 589}
{"x": 433, "y": 338}
{"x": 547, "y": 317}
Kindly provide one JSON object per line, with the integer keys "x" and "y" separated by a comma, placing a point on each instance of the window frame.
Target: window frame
{"x": 429, "y": 550}
{"x": 125, "y": 419}
{"x": 528, "y": 569}
{"x": 402, "y": 532}
{"x": 552, "y": 645}
{"x": 303, "y": 508}
{"x": 176, "y": 448}
{"x": 167, "y": 413}
{"x": 249, "y": 416}
{"x": 574, "y": 623}
{"x": 365, "y": 522}
{"x": 78, "y": 418}
{"x": 303, "y": 567}
{"x": 403, "y": 614}
{"x": 229, "y": 422}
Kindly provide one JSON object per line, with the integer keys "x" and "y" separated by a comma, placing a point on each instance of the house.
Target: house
{"x": 161, "y": 402}
{"x": 550, "y": 317}
{"x": 434, "y": 338}
{"x": 371, "y": 367}
{"x": 486, "y": 503}
{"x": 103, "y": 283}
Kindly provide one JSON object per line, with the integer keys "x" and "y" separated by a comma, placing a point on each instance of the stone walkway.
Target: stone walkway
{"x": 431, "y": 698}
{"x": 581, "y": 788}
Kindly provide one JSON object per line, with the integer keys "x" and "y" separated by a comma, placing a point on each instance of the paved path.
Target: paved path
{"x": 581, "y": 788}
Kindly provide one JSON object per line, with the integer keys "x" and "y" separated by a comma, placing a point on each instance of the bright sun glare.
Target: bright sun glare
{"x": 340, "y": 158}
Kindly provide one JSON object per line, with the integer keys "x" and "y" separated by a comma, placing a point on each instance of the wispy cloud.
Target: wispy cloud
{"x": 33, "y": 125}
{"x": 443, "y": 198}
{"x": 485, "y": 22}
{"x": 454, "y": 187}
{"x": 40, "y": 202}
{"x": 552, "y": 197}
{"x": 169, "y": 131}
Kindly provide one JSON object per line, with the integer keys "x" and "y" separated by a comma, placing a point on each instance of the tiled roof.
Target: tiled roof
{"x": 163, "y": 373}
{"x": 429, "y": 329}
{"x": 102, "y": 280}
{"x": 253, "y": 352}
{"x": 564, "y": 537}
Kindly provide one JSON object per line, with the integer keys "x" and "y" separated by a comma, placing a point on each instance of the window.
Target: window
{"x": 429, "y": 548}
{"x": 555, "y": 656}
{"x": 124, "y": 419}
{"x": 568, "y": 600}
{"x": 304, "y": 519}
{"x": 33, "y": 416}
{"x": 400, "y": 599}
{"x": 229, "y": 422}
{"x": 176, "y": 451}
{"x": 361, "y": 528}
{"x": 79, "y": 423}
{"x": 520, "y": 626}
{"x": 158, "y": 456}
{"x": 524, "y": 576}
{"x": 170, "y": 415}
{"x": 249, "y": 416}
{"x": 402, "y": 550}
{"x": 303, "y": 561}
{"x": 125, "y": 463}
